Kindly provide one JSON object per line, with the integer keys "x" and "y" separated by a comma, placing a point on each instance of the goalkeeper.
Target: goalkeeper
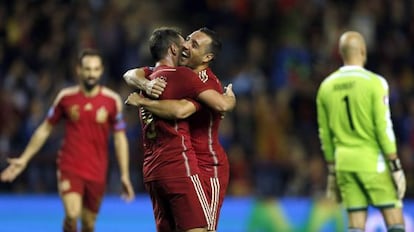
{"x": 358, "y": 140}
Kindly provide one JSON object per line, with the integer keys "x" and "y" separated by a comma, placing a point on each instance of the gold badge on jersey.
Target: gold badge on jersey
{"x": 74, "y": 113}
{"x": 101, "y": 115}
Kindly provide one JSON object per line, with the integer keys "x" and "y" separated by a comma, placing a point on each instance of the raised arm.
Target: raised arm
{"x": 136, "y": 79}
{"x": 17, "y": 165}
{"x": 168, "y": 109}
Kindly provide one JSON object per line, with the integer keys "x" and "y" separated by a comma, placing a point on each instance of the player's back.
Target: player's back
{"x": 351, "y": 98}
{"x": 167, "y": 143}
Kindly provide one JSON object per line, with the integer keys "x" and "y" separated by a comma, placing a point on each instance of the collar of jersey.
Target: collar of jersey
{"x": 350, "y": 67}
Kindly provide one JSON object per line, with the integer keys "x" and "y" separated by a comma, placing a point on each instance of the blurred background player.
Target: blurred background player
{"x": 91, "y": 112}
{"x": 199, "y": 50}
{"x": 358, "y": 140}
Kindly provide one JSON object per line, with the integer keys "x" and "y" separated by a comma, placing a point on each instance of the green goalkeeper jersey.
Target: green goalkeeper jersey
{"x": 354, "y": 120}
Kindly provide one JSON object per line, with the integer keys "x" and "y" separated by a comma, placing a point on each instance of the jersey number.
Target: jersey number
{"x": 348, "y": 111}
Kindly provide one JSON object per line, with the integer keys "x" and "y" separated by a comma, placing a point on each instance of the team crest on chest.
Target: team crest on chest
{"x": 101, "y": 115}
{"x": 74, "y": 112}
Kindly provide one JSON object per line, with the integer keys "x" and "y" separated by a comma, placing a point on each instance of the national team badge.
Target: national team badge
{"x": 101, "y": 115}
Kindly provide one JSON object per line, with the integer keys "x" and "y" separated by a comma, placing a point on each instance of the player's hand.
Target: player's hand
{"x": 127, "y": 189}
{"x": 154, "y": 88}
{"x": 332, "y": 191}
{"x": 16, "y": 166}
{"x": 134, "y": 99}
{"x": 228, "y": 90}
{"x": 398, "y": 177}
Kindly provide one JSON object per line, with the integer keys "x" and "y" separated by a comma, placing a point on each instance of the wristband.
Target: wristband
{"x": 395, "y": 165}
{"x": 331, "y": 169}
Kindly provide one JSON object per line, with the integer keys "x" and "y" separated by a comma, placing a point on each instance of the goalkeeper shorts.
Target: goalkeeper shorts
{"x": 361, "y": 189}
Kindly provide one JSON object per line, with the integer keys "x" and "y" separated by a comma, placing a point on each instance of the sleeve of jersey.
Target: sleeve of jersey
{"x": 382, "y": 118}
{"x": 119, "y": 122}
{"x": 324, "y": 131}
{"x": 192, "y": 84}
{"x": 148, "y": 71}
{"x": 55, "y": 112}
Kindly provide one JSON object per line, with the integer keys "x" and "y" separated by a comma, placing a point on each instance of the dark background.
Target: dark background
{"x": 276, "y": 53}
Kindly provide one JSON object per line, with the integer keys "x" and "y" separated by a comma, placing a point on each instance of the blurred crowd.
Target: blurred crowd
{"x": 276, "y": 53}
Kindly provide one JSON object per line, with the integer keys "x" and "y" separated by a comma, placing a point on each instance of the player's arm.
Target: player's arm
{"x": 386, "y": 136}
{"x": 122, "y": 153}
{"x": 325, "y": 135}
{"x": 17, "y": 165}
{"x": 219, "y": 102}
{"x": 382, "y": 120}
{"x": 136, "y": 78}
{"x": 168, "y": 109}
{"x": 327, "y": 146}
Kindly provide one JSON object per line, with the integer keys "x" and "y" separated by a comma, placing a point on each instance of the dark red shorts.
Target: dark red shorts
{"x": 92, "y": 192}
{"x": 215, "y": 188}
{"x": 179, "y": 203}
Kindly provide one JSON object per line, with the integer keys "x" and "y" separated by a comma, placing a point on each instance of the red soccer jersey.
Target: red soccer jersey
{"x": 204, "y": 126}
{"x": 88, "y": 122}
{"x": 168, "y": 152}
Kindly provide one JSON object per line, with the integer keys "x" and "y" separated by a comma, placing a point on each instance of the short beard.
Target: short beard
{"x": 88, "y": 87}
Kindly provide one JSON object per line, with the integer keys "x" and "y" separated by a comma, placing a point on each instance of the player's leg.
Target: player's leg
{"x": 356, "y": 220}
{"x": 88, "y": 220}
{"x": 92, "y": 200}
{"x": 394, "y": 219}
{"x": 164, "y": 220}
{"x": 384, "y": 196}
{"x": 197, "y": 230}
{"x": 354, "y": 199}
{"x": 70, "y": 189}
{"x": 188, "y": 202}
{"x": 215, "y": 189}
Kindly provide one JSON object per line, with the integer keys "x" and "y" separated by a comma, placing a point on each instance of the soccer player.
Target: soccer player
{"x": 358, "y": 141}
{"x": 199, "y": 50}
{"x": 91, "y": 112}
{"x": 182, "y": 83}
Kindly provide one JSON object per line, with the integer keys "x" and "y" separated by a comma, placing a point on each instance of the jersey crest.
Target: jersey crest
{"x": 101, "y": 115}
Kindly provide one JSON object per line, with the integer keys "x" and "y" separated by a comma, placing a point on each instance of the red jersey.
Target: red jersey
{"x": 88, "y": 122}
{"x": 168, "y": 152}
{"x": 204, "y": 127}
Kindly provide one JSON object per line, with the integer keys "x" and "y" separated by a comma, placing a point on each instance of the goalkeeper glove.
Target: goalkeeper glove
{"x": 332, "y": 191}
{"x": 398, "y": 177}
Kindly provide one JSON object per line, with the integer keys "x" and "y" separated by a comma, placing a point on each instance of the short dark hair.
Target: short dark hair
{"x": 215, "y": 46}
{"x": 88, "y": 52}
{"x": 161, "y": 39}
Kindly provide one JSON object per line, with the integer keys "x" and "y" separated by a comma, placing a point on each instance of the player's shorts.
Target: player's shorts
{"x": 215, "y": 188}
{"x": 178, "y": 203}
{"x": 92, "y": 192}
{"x": 360, "y": 189}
